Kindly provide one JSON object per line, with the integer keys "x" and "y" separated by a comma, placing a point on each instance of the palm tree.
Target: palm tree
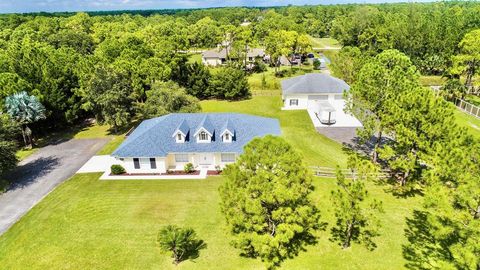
{"x": 25, "y": 110}
{"x": 183, "y": 243}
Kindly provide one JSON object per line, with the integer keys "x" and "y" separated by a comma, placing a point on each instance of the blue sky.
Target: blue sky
{"x": 9, "y": 6}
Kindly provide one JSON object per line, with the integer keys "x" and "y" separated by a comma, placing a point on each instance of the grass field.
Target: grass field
{"x": 90, "y": 224}
{"x": 431, "y": 80}
{"x": 325, "y": 43}
{"x": 271, "y": 81}
{"x": 195, "y": 58}
{"x": 297, "y": 128}
{"x": 470, "y": 122}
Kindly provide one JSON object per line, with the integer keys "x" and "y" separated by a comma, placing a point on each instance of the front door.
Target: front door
{"x": 205, "y": 159}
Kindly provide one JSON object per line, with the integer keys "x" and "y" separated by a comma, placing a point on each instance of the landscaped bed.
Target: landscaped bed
{"x": 148, "y": 174}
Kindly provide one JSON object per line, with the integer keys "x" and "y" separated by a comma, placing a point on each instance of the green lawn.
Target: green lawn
{"x": 195, "y": 58}
{"x": 470, "y": 122}
{"x": 90, "y": 224}
{"x": 475, "y": 100}
{"x": 297, "y": 128}
{"x": 431, "y": 80}
{"x": 272, "y": 82}
{"x": 325, "y": 43}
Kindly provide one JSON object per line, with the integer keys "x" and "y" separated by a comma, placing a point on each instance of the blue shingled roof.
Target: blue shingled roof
{"x": 228, "y": 126}
{"x": 183, "y": 127}
{"x": 313, "y": 83}
{"x": 153, "y": 138}
{"x": 205, "y": 124}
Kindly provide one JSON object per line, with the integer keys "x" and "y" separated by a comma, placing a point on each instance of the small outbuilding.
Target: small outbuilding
{"x": 322, "y": 96}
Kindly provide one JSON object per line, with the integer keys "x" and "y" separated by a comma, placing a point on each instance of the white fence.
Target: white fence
{"x": 468, "y": 107}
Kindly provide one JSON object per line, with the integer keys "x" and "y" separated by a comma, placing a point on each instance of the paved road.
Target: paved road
{"x": 40, "y": 173}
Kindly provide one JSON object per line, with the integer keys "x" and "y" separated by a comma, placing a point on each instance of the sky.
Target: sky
{"x": 22, "y": 6}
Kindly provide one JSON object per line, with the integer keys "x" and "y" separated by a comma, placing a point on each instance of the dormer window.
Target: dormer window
{"x": 203, "y": 136}
{"x": 179, "y": 137}
{"x": 227, "y": 137}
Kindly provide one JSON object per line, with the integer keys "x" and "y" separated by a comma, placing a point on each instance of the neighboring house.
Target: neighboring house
{"x": 321, "y": 95}
{"x": 207, "y": 140}
{"x": 218, "y": 56}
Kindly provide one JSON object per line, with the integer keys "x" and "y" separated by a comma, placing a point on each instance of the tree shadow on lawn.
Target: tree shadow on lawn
{"x": 423, "y": 248}
{"x": 391, "y": 182}
{"x": 26, "y": 174}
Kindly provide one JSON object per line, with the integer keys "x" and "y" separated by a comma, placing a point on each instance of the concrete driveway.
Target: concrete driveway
{"x": 40, "y": 173}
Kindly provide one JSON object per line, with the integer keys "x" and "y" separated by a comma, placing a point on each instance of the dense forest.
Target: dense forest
{"x": 56, "y": 57}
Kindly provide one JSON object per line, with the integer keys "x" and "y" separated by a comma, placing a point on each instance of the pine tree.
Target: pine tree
{"x": 265, "y": 200}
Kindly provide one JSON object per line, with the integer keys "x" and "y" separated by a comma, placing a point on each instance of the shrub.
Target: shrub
{"x": 182, "y": 243}
{"x": 117, "y": 169}
{"x": 188, "y": 168}
{"x": 218, "y": 168}
{"x": 316, "y": 64}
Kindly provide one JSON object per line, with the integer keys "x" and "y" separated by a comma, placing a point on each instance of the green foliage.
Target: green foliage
{"x": 197, "y": 82}
{"x": 266, "y": 201}
{"x": 117, "y": 169}
{"x": 428, "y": 34}
{"x": 8, "y": 147}
{"x": 348, "y": 63}
{"x": 316, "y": 64}
{"x": 188, "y": 168}
{"x": 453, "y": 89}
{"x": 379, "y": 83}
{"x": 167, "y": 97}
{"x": 181, "y": 242}
{"x": 229, "y": 83}
{"x": 356, "y": 216}
{"x": 107, "y": 94}
{"x": 445, "y": 234}
{"x": 467, "y": 62}
{"x": 419, "y": 121}
{"x": 25, "y": 109}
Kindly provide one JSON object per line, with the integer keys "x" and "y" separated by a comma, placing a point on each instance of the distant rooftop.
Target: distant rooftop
{"x": 314, "y": 83}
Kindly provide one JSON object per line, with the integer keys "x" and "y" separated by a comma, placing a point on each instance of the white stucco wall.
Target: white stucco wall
{"x": 304, "y": 103}
{"x": 169, "y": 163}
{"x": 211, "y": 61}
{"x": 128, "y": 164}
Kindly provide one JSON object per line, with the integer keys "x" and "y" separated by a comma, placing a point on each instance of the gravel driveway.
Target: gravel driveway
{"x": 40, "y": 173}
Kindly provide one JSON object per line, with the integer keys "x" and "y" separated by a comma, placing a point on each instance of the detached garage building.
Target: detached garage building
{"x": 320, "y": 94}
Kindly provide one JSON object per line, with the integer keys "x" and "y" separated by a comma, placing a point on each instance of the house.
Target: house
{"x": 207, "y": 140}
{"x": 218, "y": 56}
{"x": 322, "y": 96}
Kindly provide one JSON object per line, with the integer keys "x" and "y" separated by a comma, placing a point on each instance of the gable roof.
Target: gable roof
{"x": 228, "y": 126}
{"x": 153, "y": 138}
{"x": 183, "y": 128}
{"x": 206, "y": 125}
{"x": 314, "y": 83}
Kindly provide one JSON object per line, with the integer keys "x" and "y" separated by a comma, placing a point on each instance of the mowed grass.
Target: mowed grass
{"x": 469, "y": 121}
{"x": 272, "y": 82}
{"x": 91, "y": 224}
{"x": 101, "y": 131}
{"x": 297, "y": 128}
{"x": 325, "y": 43}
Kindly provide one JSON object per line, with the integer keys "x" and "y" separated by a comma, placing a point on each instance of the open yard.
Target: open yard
{"x": 470, "y": 122}
{"x": 90, "y": 224}
{"x": 325, "y": 43}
